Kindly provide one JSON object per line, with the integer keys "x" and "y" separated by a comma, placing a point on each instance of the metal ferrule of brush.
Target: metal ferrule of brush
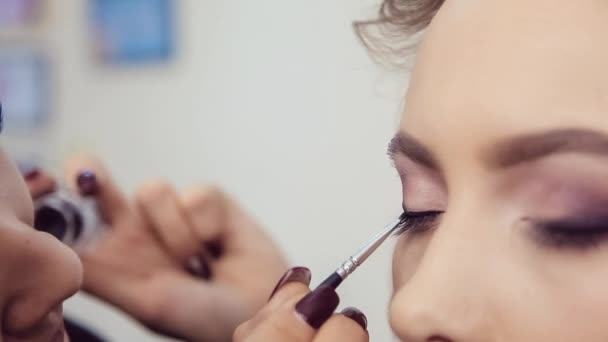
{"x": 357, "y": 259}
{"x": 348, "y": 267}
{"x": 353, "y": 262}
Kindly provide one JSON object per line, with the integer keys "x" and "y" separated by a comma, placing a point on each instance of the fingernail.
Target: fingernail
{"x": 296, "y": 274}
{"x": 87, "y": 183}
{"x": 28, "y": 170}
{"x": 318, "y": 306}
{"x": 215, "y": 249}
{"x": 356, "y": 316}
{"x": 199, "y": 267}
{"x": 31, "y": 174}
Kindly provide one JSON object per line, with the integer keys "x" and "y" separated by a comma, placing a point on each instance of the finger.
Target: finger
{"x": 301, "y": 322}
{"x": 101, "y": 280}
{"x": 39, "y": 183}
{"x": 89, "y": 176}
{"x": 293, "y": 275}
{"x": 240, "y": 229}
{"x": 131, "y": 294}
{"x": 160, "y": 205}
{"x": 203, "y": 207}
{"x": 350, "y": 325}
{"x": 292, "y": 287}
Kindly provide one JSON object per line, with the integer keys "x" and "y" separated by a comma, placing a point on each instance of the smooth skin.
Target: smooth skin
{"x": 486, "y": 73}
{"x": 489, "y": 71}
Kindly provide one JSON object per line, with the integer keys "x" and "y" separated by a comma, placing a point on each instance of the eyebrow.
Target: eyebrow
{"x": 511, "y": 151}
{"x": 531, "y": 147}
{"x": 405, "y": 144}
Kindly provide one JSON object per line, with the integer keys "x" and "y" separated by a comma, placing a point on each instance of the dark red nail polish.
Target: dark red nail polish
{"x": 87, "y": 183}
{"x": 28, "y": 170}
{"x": 215, "y": 249}
{"x": 31, "y": 174}
{"x": 296, "y": 274}
{"x": 357, "y": 316}
{"x": 318, "y": 306}
{"x": 199, "y": 267}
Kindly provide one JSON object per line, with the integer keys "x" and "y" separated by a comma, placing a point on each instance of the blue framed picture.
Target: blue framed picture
{"x": 133, "y": 31}
{"x": 24, "y": 88}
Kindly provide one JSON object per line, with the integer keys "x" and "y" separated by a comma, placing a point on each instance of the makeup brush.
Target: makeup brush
{"x": 357, "y": 259}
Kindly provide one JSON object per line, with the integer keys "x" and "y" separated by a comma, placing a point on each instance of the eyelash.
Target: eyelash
{"x": 572, "y": 233}
{"x": 575, "y": 233}
{"x": 416, "y": 222}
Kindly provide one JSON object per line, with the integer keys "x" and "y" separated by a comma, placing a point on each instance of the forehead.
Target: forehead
{"x": 494, "y": 68}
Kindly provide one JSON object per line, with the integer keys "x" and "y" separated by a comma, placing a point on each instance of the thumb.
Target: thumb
{"x": 293, "y": 313}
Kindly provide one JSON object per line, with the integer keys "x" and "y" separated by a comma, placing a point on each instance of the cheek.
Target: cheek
{"x": 567, "y": 298}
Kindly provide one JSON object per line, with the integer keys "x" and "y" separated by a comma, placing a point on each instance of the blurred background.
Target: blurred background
{"x": 275, "y": 100}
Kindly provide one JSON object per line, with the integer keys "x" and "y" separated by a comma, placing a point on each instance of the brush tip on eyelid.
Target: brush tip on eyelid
{"x": 416, "y": 222}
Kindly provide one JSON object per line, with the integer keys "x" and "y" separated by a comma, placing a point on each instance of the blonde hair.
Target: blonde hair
{"x": 388, "y": 37}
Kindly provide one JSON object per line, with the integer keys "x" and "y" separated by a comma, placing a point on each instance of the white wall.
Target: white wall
{"x": 275, "y": 100}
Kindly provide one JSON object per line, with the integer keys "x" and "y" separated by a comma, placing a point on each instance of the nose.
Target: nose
{"x": 39, "y": 272}
{"x": 444, "y": 297}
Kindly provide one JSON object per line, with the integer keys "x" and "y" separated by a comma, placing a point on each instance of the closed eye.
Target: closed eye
{"x": 416, "y": 222}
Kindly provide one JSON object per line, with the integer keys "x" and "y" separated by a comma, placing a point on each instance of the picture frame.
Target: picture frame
{"x": 133, "y": 31}
{"x": 24, "y": 88}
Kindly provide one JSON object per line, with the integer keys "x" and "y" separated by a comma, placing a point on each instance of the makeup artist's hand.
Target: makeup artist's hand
{"x": 39, "y": 183}
{"x": 295, "y": 314}
{"x": 192, "y": 265}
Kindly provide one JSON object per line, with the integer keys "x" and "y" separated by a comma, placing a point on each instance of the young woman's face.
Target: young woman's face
{"x": 37, "y": 273}
{"x": 505, "y": 133}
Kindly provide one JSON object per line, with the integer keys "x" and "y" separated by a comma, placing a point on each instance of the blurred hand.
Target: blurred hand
{"x": 39, "y": 183}
{"x": 295, "y": 314}
{"x": 191, "y": 265}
